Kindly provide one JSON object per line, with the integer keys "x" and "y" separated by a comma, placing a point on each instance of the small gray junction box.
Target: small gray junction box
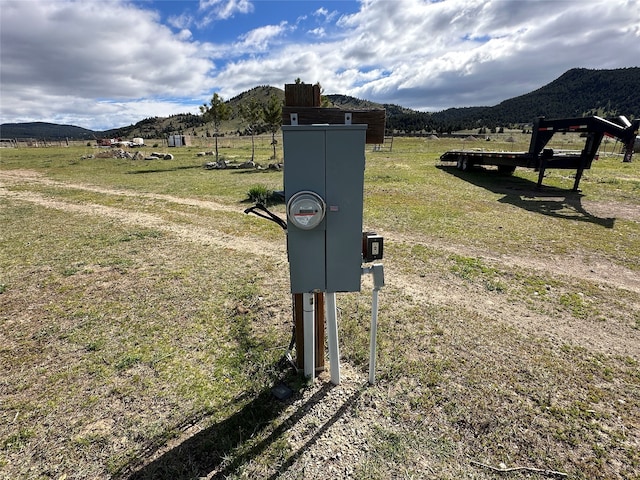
{"x": 323, "y": 186}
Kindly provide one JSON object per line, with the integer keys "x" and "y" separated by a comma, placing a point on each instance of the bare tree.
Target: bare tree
{"x": 251, "y": 113}
{"x": 272, "y": 114}
{"x": 216, "y": 112}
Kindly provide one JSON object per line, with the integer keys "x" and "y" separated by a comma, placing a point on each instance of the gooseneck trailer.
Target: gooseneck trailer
{"x": 592, "y": 129}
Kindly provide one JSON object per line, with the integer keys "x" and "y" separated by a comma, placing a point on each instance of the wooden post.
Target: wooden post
{"x": 301, "y": 95}
{"x": 305, "y": 95}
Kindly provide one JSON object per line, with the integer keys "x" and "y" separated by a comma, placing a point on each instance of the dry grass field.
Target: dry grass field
{"x": 144, "y": 319}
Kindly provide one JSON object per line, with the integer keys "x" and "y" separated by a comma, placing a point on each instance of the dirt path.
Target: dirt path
{"x": 605, "y": 337}
{"x": 190, "y": 233}
{"x": 29, "y": 176}
{"x": 595, "y": 269}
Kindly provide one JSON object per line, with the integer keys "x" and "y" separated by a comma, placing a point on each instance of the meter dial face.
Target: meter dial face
{"x": 306, "y": 210}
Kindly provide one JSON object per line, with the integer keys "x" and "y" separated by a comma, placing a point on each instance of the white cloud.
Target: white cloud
{"x": 103, "y": 67}
{"x": 326, "y": 15}
{"x": 181, "y": 22}
{"x": 259, "y": 39}
{"x": 185, "y": 34}
{"x": 465, "y": 52}
{"x": 318, "y": 32}
{"x": 64, "y": 54}
{"x": 223, "y": 9}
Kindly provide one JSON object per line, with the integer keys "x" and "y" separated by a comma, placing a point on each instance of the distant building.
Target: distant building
{"x": 179, "y": 140}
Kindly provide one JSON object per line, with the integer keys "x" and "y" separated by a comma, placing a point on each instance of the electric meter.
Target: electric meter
{"x": 306, "y": 210}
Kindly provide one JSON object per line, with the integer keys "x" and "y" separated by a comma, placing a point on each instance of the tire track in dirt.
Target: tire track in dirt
{"x": 187, "y": 232}
{"x": 609, "y": 338}
{"x": 28, "y": 176}
{"x": 597, "y": 270}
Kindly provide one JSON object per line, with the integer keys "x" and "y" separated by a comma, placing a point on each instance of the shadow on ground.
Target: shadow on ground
{"x": 525, "y": 194}
{"x": 163, "y": 170}
{"x": 220, "y": 450}
{"x": 254, "y": 171}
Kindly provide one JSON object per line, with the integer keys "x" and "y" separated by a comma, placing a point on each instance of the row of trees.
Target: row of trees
{"x": 253, "y": 114}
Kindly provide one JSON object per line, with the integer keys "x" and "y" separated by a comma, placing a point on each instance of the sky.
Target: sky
{"x": 102, "y": 64}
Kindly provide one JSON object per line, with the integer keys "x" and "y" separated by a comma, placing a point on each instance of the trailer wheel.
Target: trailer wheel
{"x": 463, "y": 164}
{"x": 506, "y": 169}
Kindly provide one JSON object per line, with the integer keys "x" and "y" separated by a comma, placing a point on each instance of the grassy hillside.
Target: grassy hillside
{"x": 159, "y": 127}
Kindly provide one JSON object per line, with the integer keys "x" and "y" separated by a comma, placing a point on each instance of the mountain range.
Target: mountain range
{"x": 578, "y": 92}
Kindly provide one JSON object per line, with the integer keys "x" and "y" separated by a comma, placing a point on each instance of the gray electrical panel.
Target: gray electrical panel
{"x": 323, "y": 185}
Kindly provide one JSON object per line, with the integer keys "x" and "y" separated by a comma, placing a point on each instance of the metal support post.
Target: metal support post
{"x": 332, "y": 337}
{"x": 542, "y": 166}
{"x": 377, "y": 270}
{"x": 373, "y": 339}
{"x": 308, "y": 320}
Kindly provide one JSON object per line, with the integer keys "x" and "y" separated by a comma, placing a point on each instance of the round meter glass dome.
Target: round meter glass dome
{"x": 306, "y": 210}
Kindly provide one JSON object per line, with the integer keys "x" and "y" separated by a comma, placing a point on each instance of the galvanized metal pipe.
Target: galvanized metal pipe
{"x": 374, "y": 333}
{"x": 308, "y": 322}
{"x": 332, "y": 337}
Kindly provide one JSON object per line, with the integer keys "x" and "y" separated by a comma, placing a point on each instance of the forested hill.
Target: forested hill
{"x": 578, "y": 92}
{"x": 46, "y": 130}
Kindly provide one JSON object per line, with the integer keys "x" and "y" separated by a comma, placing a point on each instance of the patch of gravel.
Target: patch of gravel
{"x": 331, "y": 426}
